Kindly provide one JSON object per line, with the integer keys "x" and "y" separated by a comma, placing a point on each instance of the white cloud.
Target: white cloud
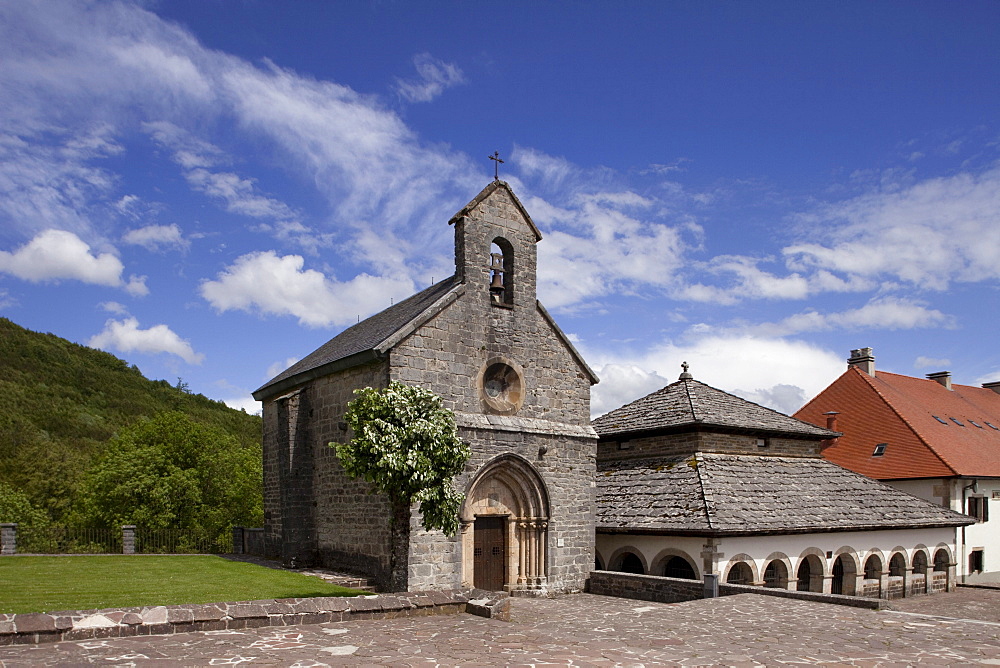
{"x": 928, "y": 362}
{"x": 434, "y": 77}
{"x": 157, "y": 237}
{"x": 56, "y": 254}
{"x": 113, "y": 307}
{"x": 126, "y": 336}
{"x": 886, "y": 313}
{"x": 278, "y": 367}
{"x": 278, "y": 285}
{"x": 605, "y": 245}
{"x": 926, "y": 234}
{"x": 778, "y": 373}
{"x": 751, "y": 283}
{"x": 196, "y": 157}
{"x": 247, "y": 403}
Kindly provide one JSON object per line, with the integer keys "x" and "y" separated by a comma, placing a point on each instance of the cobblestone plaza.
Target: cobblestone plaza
{"x": 587, "y": 630}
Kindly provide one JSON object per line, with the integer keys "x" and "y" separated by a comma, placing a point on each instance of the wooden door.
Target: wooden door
{"x": 490, "y": 553}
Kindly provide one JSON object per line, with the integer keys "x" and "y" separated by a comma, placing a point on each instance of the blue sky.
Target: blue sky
{"x": 211, "y": 190}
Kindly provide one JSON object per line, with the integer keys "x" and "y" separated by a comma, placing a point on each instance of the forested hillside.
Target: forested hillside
{"x": 86, "y": 439}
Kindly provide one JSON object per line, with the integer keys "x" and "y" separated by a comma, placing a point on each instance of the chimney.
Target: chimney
{"x": 831, "y": 420}
{"x": 943, "y": 377}
{"x": 995, "y": 386}
{"x": 863, "y": 359}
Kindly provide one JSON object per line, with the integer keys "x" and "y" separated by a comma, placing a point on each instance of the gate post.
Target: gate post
{"x": 128, "y": 539}
{"x": 239, "y": 542}
{"x": 711, "y": 585}
{"x": 8, "y": 538}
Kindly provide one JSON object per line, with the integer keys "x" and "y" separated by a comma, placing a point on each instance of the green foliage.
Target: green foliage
{"x": 170, "y": 471}
{"x": 406, "y": 444}
{"x": 16, "y": 507}
{"x": 39, "y": 584}
{"x": 61, "y": 403}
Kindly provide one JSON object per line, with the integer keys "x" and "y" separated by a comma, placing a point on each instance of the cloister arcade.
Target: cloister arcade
{"x": 872, "y": 573}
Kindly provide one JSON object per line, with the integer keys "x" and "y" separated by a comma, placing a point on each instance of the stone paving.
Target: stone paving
{"x": 579, "y": 630}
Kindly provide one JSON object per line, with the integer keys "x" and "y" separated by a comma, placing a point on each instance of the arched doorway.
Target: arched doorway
{"x": 505, "y": 527}
{"x": 678, "y": 567}
{"x": 810, "y": 574}
{"x": 776, "y": 575}
{"x": 844, "y": 576}
{"x": 740, "y": 574}
{"x": 629, "y": 562}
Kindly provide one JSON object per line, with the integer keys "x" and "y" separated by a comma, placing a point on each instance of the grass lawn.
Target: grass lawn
{"x": 46, "y": 584}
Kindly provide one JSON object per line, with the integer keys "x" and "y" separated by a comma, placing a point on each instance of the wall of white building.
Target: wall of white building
{"x": 983, "y": 536}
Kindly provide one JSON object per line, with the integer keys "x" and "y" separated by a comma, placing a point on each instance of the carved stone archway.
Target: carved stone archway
{"x": 508, "y": 487}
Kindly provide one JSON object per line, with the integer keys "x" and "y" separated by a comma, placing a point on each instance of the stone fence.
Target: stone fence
{"x": 30, "y": 628}
{"x": 661, "y": 589}
{"x": 127, "y": 539}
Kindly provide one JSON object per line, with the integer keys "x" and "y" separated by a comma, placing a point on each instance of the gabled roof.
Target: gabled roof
{"x": 489, "y": 190}
{"x": 690, "y": 403}
{"x": 929, "y": 430}
{"x": 367, "y": 340}
{"x": 724, "y": 494}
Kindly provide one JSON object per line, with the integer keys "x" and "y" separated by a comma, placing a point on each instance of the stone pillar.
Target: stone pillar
{"x": 128, "y": 539}
{"x": 883, "y": 584}
{"x": 8, "y": 538}
{"x": 522, "y": 554}
{"x": 827, "y": 583}
{"x": 542, "y": 534}
{"x": 710, "y": 556}
{"x": 239, "y": 547}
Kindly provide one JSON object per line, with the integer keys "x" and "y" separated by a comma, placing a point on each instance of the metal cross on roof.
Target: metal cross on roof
{"x": 496, "y": 165}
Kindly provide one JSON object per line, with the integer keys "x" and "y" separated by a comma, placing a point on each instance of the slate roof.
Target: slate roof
{"x": 689, "y": 403}
{"x": 724, "y": 494}
{"x": 900, "y": 411}
{"x": 365, "y": 339}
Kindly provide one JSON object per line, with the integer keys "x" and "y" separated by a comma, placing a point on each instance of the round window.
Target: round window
{"x": 503, "y": 388}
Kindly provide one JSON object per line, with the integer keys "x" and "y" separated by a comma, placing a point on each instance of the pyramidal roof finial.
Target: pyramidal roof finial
{"x": 685, "y": 375}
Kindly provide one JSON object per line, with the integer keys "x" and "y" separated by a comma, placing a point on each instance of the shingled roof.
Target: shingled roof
{"x": 929, "y": 430}
{"x": 689, "y": 403}
{"x": 365, "y": 341}
{"x": 724, "y": 494}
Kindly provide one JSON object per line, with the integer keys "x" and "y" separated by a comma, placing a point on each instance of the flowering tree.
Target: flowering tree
{"x": 406, "y": 445}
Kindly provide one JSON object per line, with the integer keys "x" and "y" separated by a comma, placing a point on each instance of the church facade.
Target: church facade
{"x": 521, "y": 397}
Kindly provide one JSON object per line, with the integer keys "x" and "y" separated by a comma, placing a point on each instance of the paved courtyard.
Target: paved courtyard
{"x": 582, "y": 630}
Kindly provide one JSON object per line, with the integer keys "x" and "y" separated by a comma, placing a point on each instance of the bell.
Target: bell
{"x": 497, "y": 282}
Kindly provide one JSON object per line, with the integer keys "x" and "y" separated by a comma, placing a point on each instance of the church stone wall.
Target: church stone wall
{"x": 668, "y": 445}
{"x": 347, "y": 526}
{"x": 567, "y": 468}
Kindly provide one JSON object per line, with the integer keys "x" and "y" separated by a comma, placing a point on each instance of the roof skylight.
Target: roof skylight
{"x": 879, "y": 450}
{"x": 955, "y": 420}
{"x": 975, "y": 424}
{"x": 939, "y": 419}
{"x": 992, "y": 426}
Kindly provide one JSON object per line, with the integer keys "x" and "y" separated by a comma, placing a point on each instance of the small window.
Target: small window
{"x": 975, "y": 424}
{"x": 624, "y": 445}
{"x": 763, "y": 442}
{"x": 879, "y": 450}
{"x": 955, "y": 420}
{"x": 976, "y": 561}
{"x": 978, "y": 507}
{"x": 939, "y": 419}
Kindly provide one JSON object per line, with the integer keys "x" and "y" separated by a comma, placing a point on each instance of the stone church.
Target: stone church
{"x": 521, "y": 396}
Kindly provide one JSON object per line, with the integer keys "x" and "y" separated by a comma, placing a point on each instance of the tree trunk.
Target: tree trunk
{"x": 399, "y": 560}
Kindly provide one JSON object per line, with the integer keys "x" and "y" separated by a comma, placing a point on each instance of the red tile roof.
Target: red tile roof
{"x": 902, "y": 412}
